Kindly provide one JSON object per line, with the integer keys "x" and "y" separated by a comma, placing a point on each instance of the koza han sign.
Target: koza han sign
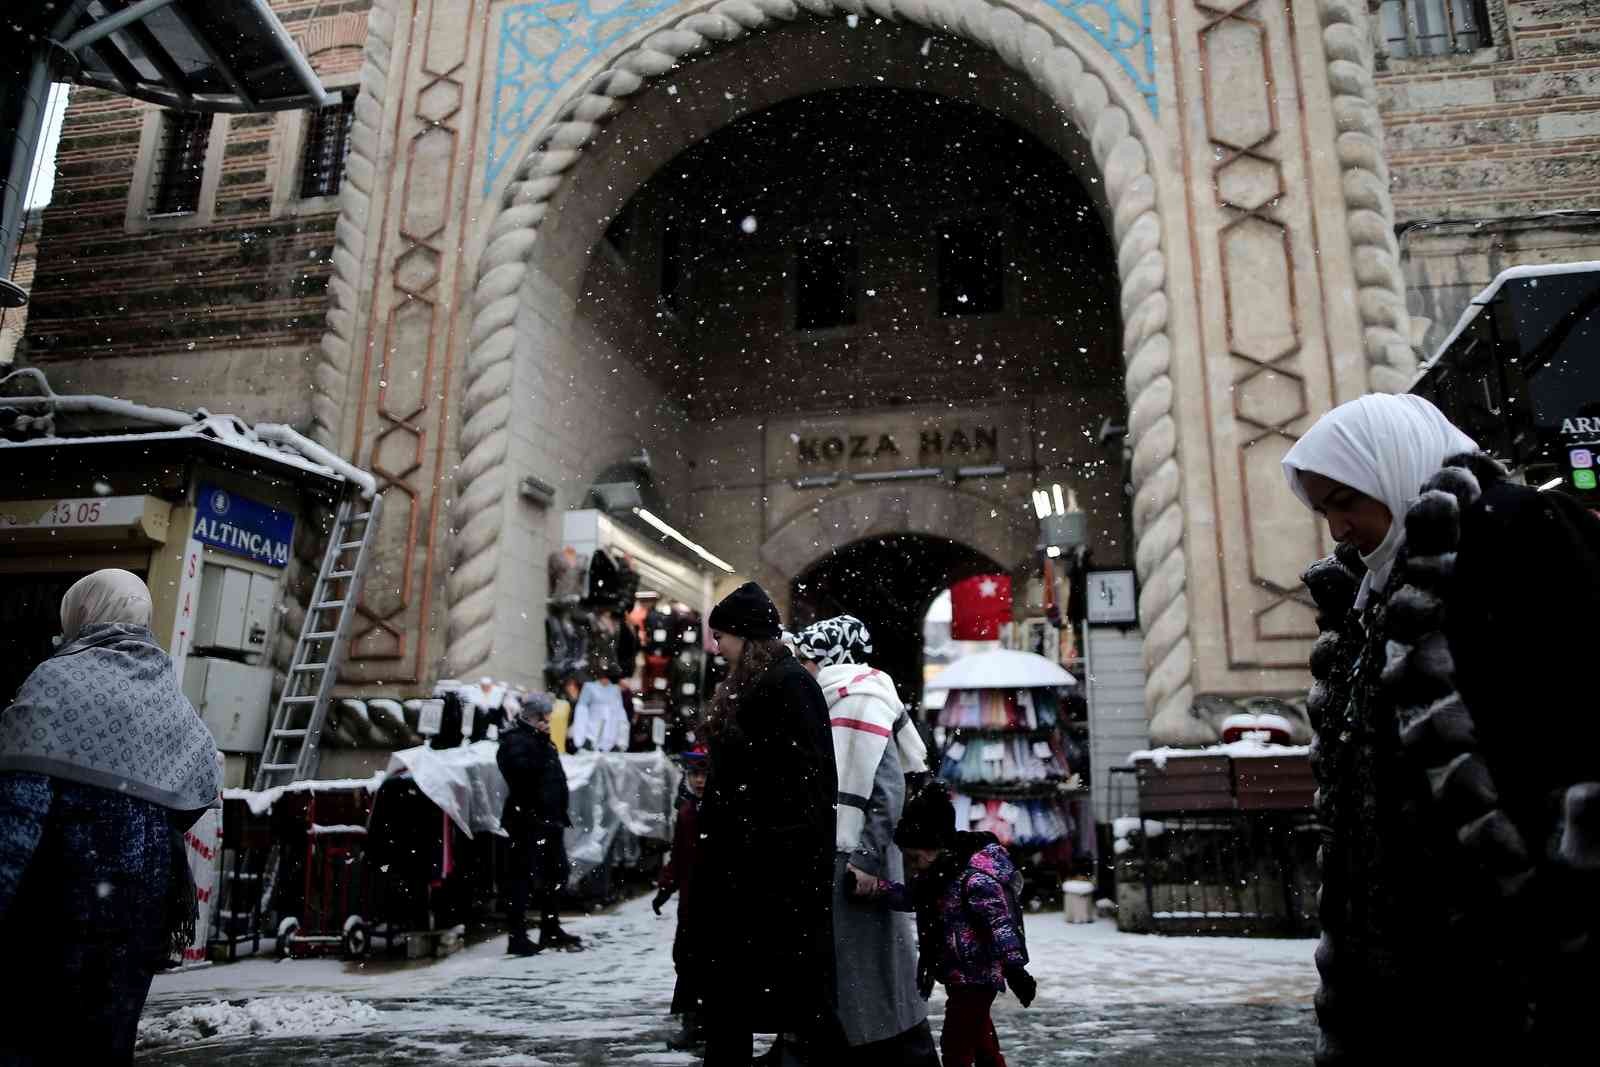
{"x": 242, "y": 526}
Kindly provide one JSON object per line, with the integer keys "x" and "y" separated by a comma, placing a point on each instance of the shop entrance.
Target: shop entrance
{"x": 30, "y": 620}
{"x": 888, "y": 583}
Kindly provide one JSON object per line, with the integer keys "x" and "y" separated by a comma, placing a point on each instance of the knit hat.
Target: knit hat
{"x": 749, "y": 613}
{"x": 694, "y": 758}
{"x": 928, "y": 819}
{"x": 841, "y": 639}
{"x": 536, "y": 706}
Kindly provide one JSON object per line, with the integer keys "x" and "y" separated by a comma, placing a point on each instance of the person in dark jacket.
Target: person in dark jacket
{"x": 677, "y": 876}
{"x": 103, "y": 766}
{"x": 1457, "y": 760}
{"x": 965, "y": 891}
{"x": 535, "y": 820}
{"x": 762, "y": 907}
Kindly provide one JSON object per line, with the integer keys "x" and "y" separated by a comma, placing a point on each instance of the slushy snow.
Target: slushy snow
{"x": 262, "y": 1017}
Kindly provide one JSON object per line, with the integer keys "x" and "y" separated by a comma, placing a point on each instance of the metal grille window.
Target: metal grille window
{"x": 1416, "y": 28}
{"x": 327, "y": 144}
{"x": 180, "y": 163}
{"x": 971, "y": 267}
{"x": 826, "y": 272}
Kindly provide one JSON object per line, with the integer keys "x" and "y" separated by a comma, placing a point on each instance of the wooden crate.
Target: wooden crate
{"x": 1186, "y": 783}
{"x": 1274, "y": 783}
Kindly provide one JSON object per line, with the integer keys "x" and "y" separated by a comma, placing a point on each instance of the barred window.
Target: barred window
{"x": 327, "y": 144}
{"x": 971, "y": 267}
{"x": 1418, "y": 28}
{"x": 180, "y": 163}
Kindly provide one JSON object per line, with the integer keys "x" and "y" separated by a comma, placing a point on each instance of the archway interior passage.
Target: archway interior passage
{"x": 889, "y": 584}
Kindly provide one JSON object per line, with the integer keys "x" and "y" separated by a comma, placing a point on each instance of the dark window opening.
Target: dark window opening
{"x": 971, "y": 267}
{"x": 621, "y": 228}
{"x": 180, "y": 163}
{"x": 672, "y": 268}
{"x": 327, "y": 146}
{"x": 1420, "y": 28}
{"x": 826, "y": 273}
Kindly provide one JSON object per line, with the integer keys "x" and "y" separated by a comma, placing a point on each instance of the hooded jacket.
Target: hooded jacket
{"x": 865, "y": 712}
{"x": 968, "y": 922}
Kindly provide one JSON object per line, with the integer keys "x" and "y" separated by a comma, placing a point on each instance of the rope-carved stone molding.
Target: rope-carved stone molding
{"x": 330, "y": 380}
{"x": 1374, "y": 250}
{"x": 1026, "y": 46}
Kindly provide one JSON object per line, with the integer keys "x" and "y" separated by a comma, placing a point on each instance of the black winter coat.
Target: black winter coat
{"x": 1452, "y": 718}
{"x": 762, "y": 907}
{"x": 532, "y": 769}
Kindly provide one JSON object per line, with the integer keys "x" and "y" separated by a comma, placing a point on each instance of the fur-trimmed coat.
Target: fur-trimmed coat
{"x": 1458, "y": 755}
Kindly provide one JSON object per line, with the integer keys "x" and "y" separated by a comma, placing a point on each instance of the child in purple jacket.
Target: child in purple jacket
{"x": 964, "y": 889}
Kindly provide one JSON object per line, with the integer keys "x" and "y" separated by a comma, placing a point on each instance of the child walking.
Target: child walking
{"x": 964, "y": 890}
{"x": 677, "y": 875}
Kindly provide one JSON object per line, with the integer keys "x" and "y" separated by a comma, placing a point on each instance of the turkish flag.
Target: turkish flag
{"x": 979, "y": 606}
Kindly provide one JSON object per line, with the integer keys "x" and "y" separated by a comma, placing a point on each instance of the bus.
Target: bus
{"x": 1521, "y": 373}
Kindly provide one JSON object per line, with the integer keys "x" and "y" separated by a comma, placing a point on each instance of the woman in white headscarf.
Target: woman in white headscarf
{"x": 103, "y": 765}
{"x": 1460, "y": 850}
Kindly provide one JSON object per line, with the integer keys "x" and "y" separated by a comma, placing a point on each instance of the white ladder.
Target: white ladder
{"x": 291, "y": 751}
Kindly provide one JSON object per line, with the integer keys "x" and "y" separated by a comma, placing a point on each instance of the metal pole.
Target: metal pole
{"x": 24, "y": 87}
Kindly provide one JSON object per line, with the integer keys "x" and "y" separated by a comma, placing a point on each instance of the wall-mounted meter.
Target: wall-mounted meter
{"x": 234, "y": 613}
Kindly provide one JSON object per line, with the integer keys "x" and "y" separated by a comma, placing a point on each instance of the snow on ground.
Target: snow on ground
{"x": 1104, "y": 997}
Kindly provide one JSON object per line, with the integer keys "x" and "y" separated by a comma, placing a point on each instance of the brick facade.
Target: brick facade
{"x": 1481, "y": 144}
{"x": 252, "y": 281}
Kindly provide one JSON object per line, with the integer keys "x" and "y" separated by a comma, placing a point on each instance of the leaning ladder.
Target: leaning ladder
{"x": 291, "y": 750}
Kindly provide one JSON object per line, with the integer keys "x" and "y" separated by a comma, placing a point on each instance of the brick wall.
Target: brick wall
{"x": 252, "y": 281}
{"x": 14, "y": 321}
{"x": 1483, "y": 146}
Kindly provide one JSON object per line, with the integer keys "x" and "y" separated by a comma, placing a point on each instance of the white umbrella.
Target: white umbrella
{"x": 1001, "y": 668}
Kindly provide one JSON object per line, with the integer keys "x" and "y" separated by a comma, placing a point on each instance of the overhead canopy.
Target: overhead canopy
{"x": 1001, "y": 668}
{"x": 197, "y": 55}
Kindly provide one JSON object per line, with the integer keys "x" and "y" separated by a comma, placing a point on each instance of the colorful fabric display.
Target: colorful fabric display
{"x": 1001, "y": 709}
{"x": 1026, "y": 824}
{"x": 1003, "y": 759}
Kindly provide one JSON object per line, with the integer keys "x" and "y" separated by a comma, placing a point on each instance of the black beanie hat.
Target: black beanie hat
{"x": 928, "y": 819}
{"x": 749, "y": 613}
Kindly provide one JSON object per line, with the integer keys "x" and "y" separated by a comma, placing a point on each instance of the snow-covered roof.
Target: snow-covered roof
{"x": 216, "y": 429}
{"x": 1487, "y": 297}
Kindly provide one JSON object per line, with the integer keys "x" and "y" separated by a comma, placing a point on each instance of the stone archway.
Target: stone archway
{"x": 1123, "y": 142}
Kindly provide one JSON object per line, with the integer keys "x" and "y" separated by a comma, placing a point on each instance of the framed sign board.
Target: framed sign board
{"x": 1111, "y": 598}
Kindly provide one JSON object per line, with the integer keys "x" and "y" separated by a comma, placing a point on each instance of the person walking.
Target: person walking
{"x": 535, "y": 821}
{"x": 677, "y": 876}
{"x": 762, "y": 905}
{"x": 965, "y": 891}
{"x": 1459, "y": 781}
{"x": 103, "y": 766}
{"x": 875, "y": 745}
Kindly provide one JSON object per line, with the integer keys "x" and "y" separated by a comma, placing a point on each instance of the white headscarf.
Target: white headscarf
{"x": 110, "y": 595}
{"x": 1384, "y": 445}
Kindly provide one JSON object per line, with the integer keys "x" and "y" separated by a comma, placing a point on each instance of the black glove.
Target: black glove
{"x": 1022, "y": 984}
{"x": 662, "y": 897}
{"x": 924, "y": 978}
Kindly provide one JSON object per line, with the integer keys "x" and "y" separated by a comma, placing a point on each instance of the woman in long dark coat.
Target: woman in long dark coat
{"x": 763, "y": 894}
{"x": 1458, "y": 752}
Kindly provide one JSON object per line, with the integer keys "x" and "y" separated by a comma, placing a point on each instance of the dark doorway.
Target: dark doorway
{"x": 888, "y": 583}
{"x": 30, "y": 619}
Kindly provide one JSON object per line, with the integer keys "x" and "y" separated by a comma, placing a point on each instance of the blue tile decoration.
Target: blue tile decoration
{"x": 538, "y": 53}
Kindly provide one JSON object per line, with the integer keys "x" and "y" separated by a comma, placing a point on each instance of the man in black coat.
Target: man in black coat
{"x": 763, "y": 905}
{"x": 535, "y": 819}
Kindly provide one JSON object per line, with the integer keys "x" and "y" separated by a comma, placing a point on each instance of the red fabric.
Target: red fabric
{"x": 968, "y": 1038}
{"x": 678, "y": 872}
{"x": 979, "y": 607}
{"x": 858, "y": 724}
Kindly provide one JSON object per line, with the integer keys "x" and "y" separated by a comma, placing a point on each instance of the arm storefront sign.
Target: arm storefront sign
{"x": 244, "y": 527}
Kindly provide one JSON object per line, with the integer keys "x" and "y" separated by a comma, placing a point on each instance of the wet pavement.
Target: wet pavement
{"x": 1104, "y": 997}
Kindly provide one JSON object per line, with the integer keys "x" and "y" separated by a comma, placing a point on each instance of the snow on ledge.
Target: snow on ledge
{"x": 1233, "y": 750}
{"x": 261, "y": 802}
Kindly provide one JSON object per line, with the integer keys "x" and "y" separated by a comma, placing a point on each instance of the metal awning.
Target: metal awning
{"x": 197, "y": 55}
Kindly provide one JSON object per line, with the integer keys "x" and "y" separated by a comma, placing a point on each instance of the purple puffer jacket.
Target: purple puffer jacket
{"x": 967, "y": 922}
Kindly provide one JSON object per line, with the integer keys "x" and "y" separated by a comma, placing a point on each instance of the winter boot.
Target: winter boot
{"x": 520, "y": 945}
{"x": 552, "y": 936}
{"x": 689, "y": 1035}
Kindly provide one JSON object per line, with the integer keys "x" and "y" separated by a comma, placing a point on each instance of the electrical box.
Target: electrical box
{"x": 233, "y": 699}
{"x": 234, "y": 613}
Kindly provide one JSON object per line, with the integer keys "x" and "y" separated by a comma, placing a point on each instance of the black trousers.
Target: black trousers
{"x": 536, "y": 871}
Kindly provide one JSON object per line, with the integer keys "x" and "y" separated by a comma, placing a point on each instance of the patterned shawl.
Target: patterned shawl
{"x": 106, "y": 710}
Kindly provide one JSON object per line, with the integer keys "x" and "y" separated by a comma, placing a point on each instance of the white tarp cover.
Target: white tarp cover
{"x": 617, "y": 798}
{"x": 1001, "y": 668}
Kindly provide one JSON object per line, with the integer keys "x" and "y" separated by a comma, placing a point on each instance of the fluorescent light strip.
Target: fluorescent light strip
{"x": 1551, "y": 484}
{"x": 682, "y": 540}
